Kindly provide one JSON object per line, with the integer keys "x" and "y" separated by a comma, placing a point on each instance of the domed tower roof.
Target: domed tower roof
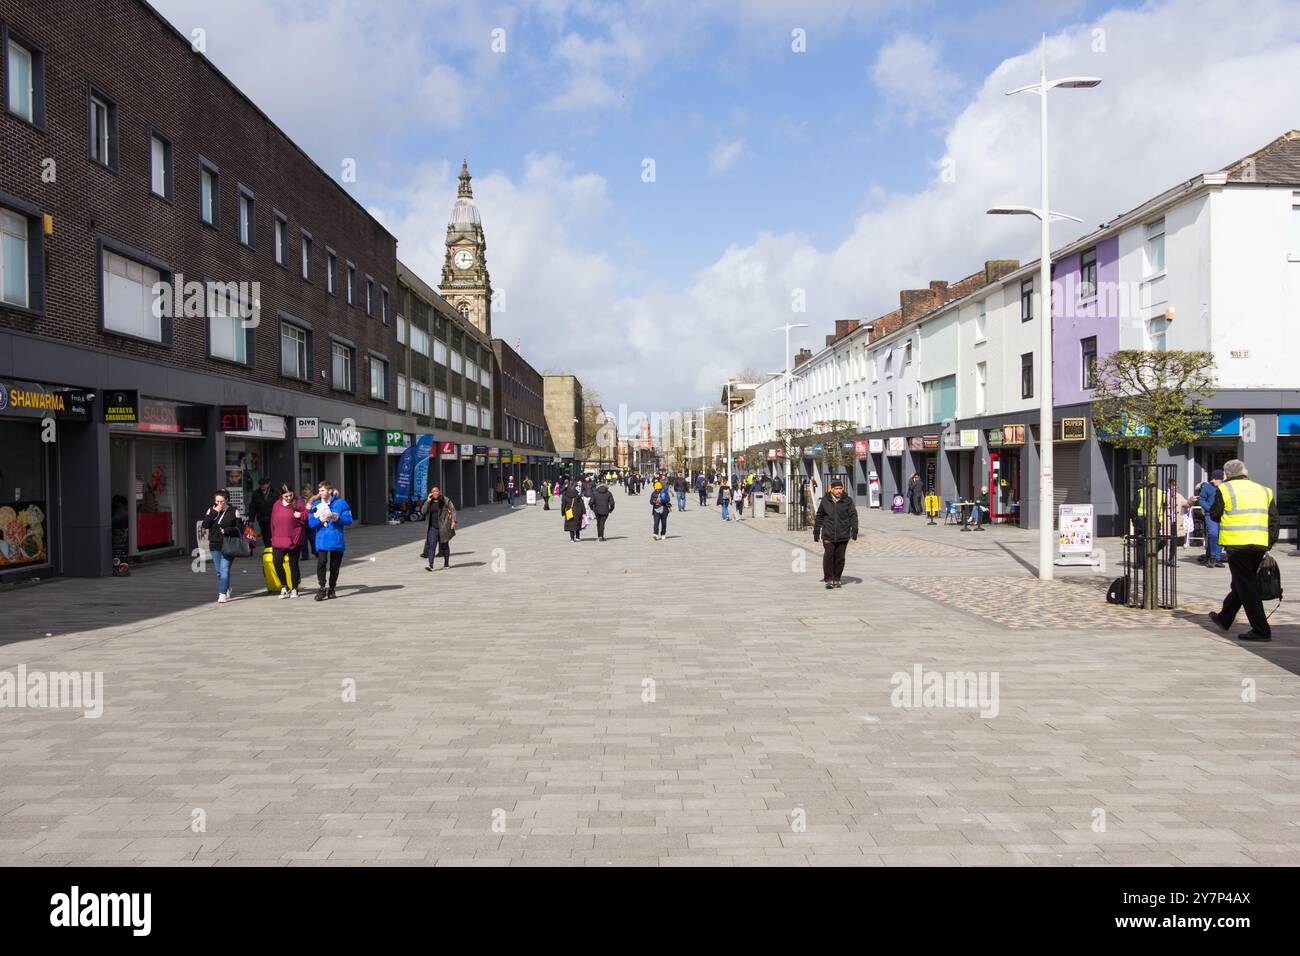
{"x": 464, "y": 214}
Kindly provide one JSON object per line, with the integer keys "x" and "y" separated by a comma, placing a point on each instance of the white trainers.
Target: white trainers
{"x": 293, "y": 593}
{"x": 230, "y": 591}
{"x": 284, "y": 593}
{"x": 221, "y": 599}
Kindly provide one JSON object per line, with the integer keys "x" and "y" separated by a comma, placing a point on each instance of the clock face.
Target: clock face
{"x": 463, "y": 259}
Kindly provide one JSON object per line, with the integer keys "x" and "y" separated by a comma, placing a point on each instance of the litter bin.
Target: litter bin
{"x": 760, "y": 505}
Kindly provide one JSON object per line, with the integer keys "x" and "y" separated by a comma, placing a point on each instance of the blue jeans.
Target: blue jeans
{"x": 223, "y": 564}
{"x": 726, "y": 511}
{"x": 1213, "y": 550}
{"x": 681, "y": 501}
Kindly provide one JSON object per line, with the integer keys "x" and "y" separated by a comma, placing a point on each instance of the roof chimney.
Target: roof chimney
{"x": 802, "y": 356}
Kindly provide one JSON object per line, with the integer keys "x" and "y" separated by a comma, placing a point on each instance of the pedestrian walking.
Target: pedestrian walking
{"x": 263, "y": 501}
{"x": 328, "y": 516}
{"x": 602, "y": 506}
{"x": 679, "y": 487}
{"x": 724, "y": 498}
{"x": 308, "y": 539}
{"x": 1248, "y": 527}
{"x": 546, "y": 495}
{"x": 499, "y": 490}
{"x": 702, "y": 488}
{"x": 288, "y": 526}
{"x": 836, "y": 524}
{"x": 740, "y": 502}
{"x": 439, "y": 515}
{"x": 1209, "y": 491}
{"x": 660, "y": 506}
{"x": 510, "y": 490}
{"x": 915, "y": 494}
{"x": 574, "y": 511}
{"x": 225, "y": 531}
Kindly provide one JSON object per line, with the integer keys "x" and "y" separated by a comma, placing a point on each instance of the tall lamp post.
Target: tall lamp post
{"x": 788, "y": 385}
{"x": 1046, "y": 483}
{"x": 703, "y": 410}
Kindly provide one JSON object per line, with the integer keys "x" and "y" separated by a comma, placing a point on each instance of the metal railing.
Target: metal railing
{"x": 1151, "y": 544}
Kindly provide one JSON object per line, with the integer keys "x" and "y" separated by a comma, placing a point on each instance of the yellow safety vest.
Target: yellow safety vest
{"x": 1245, "y": 513}
{"x": 1142, "y": 500}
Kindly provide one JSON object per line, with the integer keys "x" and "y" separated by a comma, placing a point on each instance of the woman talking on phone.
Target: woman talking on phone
{"x": 225, "y": 537}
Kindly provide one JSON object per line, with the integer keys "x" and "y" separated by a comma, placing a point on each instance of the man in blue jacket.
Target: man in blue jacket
{"x": 329, "y": 515}
{"x": 1213, "y": 556}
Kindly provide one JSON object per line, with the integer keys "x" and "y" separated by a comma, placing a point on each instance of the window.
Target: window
{"x": 1088, "y": 359}
{"x": 1158, "y": 332}
{"x": 1027, "y": 300}
{"x": 941, "y": 399}
{"x": 401, "y": 393}
{"x": 439, "y": 352}
{"x": 1027, "y": 375}
{"x": 209, "y": 193}
{"x": 341, "y": 367}
{"x": 457, "y": 410}
{"x": 907, "y": 354}
{"x": 370, "y": 296}
{"x": 485, "y": 378}
{"x": 910, "y": 403}
{"x": 1088, "y": 274}
{"x": 875, "y": 368}
{"x": 457, "y": 363}
{"x": 420, "y": 342}
{"x": 229, "y": 336}
{"x": 485, "y": 419}
{"x": 281, "y": 239}
{"x": 378, "y": 379}
{"x": 24, "y": 82}
{"x": 471, "y": 414}
{"x": 128, "y": 290}
{"x": 420, "y": 399}
{"x": 1295, "y": 226}
{"x": 331, "y": 269}
{"x": 471, "y": 370}
{"x": 875, "y": 413}
{"x": 293, "y": 352}
{"x": 982, "y": 321}
{"x": 247, "y": 218}
{"x": 889, "y": 409}
{"x": 440, "y": 405}
{"x": 14, "y": 260}
{"x": 352, "y": 283}
{"x": 305, "y": 238}
{"x": 1155, "y": 248}
{"x": 981, "y": 388}
{"x": 383, "y": 304}
{"x": 160, "y": 166}
{"x": 401, "y": 330}
{"x": 103, "y": 130}
{"x": 889, "y": 363}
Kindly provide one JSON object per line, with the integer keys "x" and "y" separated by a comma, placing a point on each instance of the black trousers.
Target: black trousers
{"x": 331, "y": 561}
{"x": 833, "y": 559}
{"x": 600, "y": 525}
{"x": 1243, "y": 565}
{"x": 277, "y": 564}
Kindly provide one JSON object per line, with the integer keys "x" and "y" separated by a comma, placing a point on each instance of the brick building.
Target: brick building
{"x": 131, "y": 167}
{"x": 520, "y": 405}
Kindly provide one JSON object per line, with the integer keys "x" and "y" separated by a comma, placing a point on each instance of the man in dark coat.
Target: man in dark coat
{"x": 915, "y": 494}
{"x": 602, "y": 504}
{"x": 263, "y": 502}
{"x": 836, "y": 525}
{"x": 573, "y": 508}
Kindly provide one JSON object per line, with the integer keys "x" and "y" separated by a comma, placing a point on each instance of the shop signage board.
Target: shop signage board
{"x": 995, "y": 437}
{"x": 481, "y": 450}
{"x": 466, "y": 451}
{"x": 307, "y": 428}
{"x": 929, "y": 442}
{"x": 1073, "y": 429}
{"x": 261, "y": 425}
{"x": 122, "y": 406}
{"x": 1075, "y": 535}
{"x": 875, "y": 446}
{"x": 233, "y": 418}
{"x": 970, "y": 438}
{"x": 771, "y": 454}
{"x": 340, "y": 438}
{"x": 34, "y": 399}
{"x": 448, "y": 450}
{"x": 1013, "y": 435}
{"x": 395, "y": 438}
{"x": 916, "y": 443}
{"x": 897, "y": 445}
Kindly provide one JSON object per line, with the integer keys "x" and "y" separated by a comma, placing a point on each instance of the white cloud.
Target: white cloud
{"x": 725, "y": 155}
{"x": 910, "y": 73}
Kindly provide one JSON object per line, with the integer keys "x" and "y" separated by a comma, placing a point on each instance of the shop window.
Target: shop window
{"x": 24, "y": 505}
{"x": 1288, "y": 476}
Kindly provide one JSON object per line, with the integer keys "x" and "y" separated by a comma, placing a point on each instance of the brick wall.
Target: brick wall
{"x": 158, "y": 82}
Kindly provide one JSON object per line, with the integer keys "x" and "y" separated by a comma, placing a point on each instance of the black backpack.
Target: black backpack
{"x": 1270, "y": 579}
{"x": 1117, "y": 593}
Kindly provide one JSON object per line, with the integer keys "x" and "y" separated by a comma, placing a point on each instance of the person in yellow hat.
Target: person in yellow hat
{"x": 660, "y": 506}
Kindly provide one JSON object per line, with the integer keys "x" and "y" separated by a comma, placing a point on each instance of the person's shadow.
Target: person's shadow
{"x": 359, "y": 589}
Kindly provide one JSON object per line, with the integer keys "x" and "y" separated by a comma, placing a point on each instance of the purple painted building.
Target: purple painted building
{"x": 1081, "y": 321}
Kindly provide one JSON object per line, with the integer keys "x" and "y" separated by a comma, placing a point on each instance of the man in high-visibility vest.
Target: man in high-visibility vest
{"x": 1248, "y": 526}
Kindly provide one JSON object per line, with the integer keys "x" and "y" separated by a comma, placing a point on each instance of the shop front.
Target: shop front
{"x": 152, "y": 440}
{"x": 248, "y": 458}
{"x": 31, "y": 417}
{"x": 342, "y": 454}
{"x": 1005, "y": 445}
{"x": 1288, "y": 467}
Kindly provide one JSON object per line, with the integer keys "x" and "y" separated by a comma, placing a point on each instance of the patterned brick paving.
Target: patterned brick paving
{"x": 695, "y": 701}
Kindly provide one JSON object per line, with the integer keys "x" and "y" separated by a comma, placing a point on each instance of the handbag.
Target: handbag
{"x": 568, "y": 514}
{"x": 1270, "y": 579}
{"x": 236, "y": 547}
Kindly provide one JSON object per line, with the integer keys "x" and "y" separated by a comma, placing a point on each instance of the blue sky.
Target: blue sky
{"x": 776, "y": 171}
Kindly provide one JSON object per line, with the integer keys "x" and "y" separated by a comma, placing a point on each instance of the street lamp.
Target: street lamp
{"x": 703, "y": 410}
{"x": 788, "y": 380}
{"x": 1045, "y": 217}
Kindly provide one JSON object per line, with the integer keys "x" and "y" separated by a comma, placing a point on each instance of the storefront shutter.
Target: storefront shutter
{"x": 1068, "y": 484}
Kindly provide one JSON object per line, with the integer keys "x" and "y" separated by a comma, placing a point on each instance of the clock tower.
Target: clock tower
{"x": 465, "y": 281}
